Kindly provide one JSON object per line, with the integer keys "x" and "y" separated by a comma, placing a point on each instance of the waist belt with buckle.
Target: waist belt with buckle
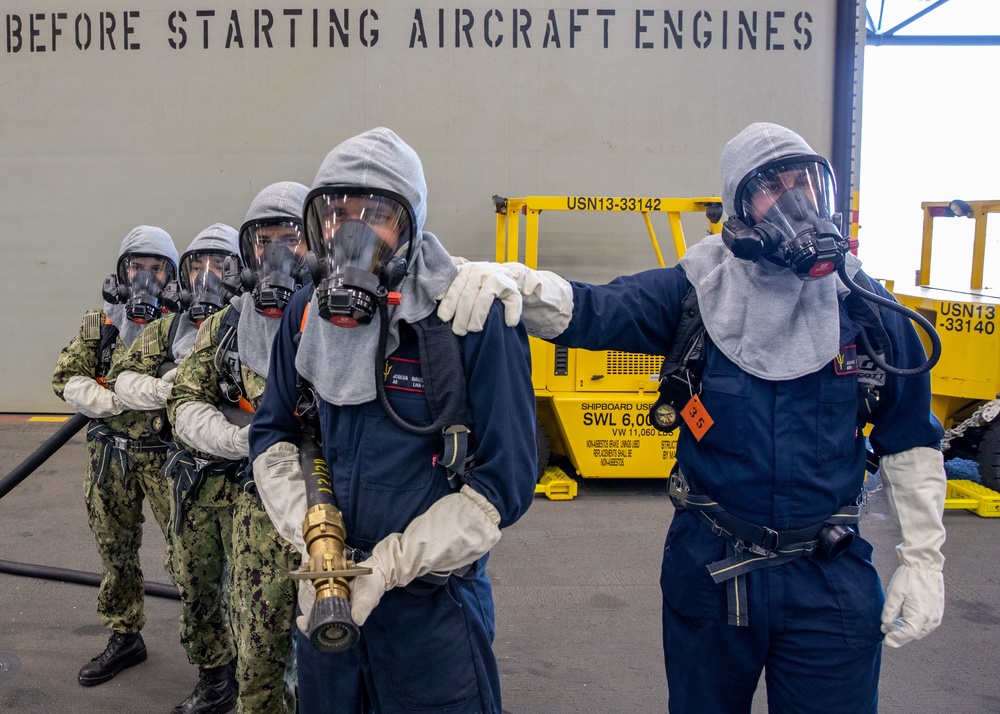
{"x": 188, "y": 474}
{"x": 751, "y": 547}
{"x": 113, "y": 445}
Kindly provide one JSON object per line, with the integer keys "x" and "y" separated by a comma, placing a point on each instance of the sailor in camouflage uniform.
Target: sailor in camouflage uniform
{"x": 197, "y": 562}
{"x": 228, "y": 371}
{"x": 124, "y": 455}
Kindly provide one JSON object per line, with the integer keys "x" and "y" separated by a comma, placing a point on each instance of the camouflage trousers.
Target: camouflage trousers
{"x": 114, "y": 512}
{"x": 263, "y": 606}
{"x": 201, "y": 551}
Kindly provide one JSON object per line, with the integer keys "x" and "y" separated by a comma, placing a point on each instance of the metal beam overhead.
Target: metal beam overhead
{"x": 876, "y": 36}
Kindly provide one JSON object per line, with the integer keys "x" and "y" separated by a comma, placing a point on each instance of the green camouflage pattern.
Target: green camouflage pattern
{"x": 262, "y": 597}
{"x": 200, "y": 554}
{"x": 198, "y": 376}
{"x": 146, "y": 354}
{"x": 206, "y": 534}
{"x": 114, "y": 512}
{"x": 79, "y": 358}
{"x": 263, "y": 601}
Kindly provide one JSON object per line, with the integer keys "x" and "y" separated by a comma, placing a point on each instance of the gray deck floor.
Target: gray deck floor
{"x": 576, "y": 586}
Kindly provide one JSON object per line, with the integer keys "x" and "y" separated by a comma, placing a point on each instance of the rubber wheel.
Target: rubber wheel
{"x": 542, "y": 447}
{"x": 989, "y": 457}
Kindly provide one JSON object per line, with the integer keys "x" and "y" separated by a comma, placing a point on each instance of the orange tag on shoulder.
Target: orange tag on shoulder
{"x": 697, "y": 417}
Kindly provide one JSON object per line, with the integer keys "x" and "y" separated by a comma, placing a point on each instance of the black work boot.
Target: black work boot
{"x": 215, "y": 693}
{"x": 233, "y": 682}
{"x": 123, "y": 650}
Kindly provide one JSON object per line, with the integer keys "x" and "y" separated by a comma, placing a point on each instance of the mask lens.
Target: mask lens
{"x": 333, "y": 223}
{"x": 148, "y": 270}
{"x": 200, "y": 270}
{"x": 809, "y": 181}
{"x": 273, "y": 245}
{"x": 146, "y": 277}
{"x": 274, "y": 253}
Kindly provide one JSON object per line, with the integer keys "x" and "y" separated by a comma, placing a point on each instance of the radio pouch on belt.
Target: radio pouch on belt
{"x": 188, "y": 475}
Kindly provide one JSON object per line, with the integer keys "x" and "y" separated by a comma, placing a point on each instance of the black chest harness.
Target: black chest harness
{"x": 443, "y": 376}
{"x": 105, "y": 334}
{"x": 227, "y": 357}
{"x": 750, "y": 546}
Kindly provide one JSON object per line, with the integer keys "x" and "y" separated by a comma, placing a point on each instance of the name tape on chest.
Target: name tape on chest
{"x": 846, "y": 361}
{"x": 404, "y": 375}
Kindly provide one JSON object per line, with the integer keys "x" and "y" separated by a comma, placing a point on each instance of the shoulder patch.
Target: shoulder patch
{"x": 93, "y": 321}
{"x": 150, "y": 341}
{"x": 204, "y": 338}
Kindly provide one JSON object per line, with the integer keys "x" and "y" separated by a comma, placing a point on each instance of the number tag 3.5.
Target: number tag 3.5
{"x": 697, "y": 417}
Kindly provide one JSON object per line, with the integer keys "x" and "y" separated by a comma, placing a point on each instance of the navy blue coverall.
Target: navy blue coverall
{"x": 781, "y": 454}
{"x": 423, "y": 648}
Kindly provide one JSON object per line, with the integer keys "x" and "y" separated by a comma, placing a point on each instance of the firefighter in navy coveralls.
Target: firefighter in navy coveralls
{"x": 424, "y": 646}
{"x": 125, "y": 456}
{"x": 204, "y": 622}
{"x": 784, "y": 455}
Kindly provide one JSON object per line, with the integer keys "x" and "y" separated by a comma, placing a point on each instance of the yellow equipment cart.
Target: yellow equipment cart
{"x": 593, "y": 407}
{"x": 965, "y": 383}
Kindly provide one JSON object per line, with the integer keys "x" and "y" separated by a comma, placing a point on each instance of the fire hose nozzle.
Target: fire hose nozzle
{"x": 331, "y": 628}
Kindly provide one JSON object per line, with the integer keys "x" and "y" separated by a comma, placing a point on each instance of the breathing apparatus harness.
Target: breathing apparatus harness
{"x": 99, "y": 329}
{"x": 444, "y": 386}
{"x": 227, "y": 358}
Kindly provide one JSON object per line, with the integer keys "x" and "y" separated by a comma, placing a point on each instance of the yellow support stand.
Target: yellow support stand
{"x": 556, "y": 485}
{"x": 971, "y": 496}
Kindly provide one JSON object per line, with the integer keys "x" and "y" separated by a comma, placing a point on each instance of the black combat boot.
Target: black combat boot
{"x": 123, "y": 650}
{"x": 233, "y": 682}
{"x": 215, "y": 692}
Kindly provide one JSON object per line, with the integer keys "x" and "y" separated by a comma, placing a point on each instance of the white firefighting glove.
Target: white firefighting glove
{"x": 467, "y": 301}
{"x": 142, "y": 392}
{"x": 547, "y": 299}
{"x": 203, "y": 427}
{"x": 307, "y": 598}
{"x": 90, "y": 398}
{"x": 282, "y": 490}
{"x": 456, "y": 530}
{"x": 914, "y": 601}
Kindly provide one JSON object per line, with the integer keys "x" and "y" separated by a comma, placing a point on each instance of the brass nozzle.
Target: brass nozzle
{"x": 323, "y": 530}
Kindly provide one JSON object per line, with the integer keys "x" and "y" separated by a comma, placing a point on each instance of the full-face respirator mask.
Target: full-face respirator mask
{"x": 201, "y": 290}
{"x": 784, "y": 215}
{"x": 139, "y": 283}
{"x": 359, "y": 250}
{"x": 273, "y": 254}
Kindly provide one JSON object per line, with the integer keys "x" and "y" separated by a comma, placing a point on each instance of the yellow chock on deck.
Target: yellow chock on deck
{"x": 971, "y": 496}
{"x": 556, "y": 485}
